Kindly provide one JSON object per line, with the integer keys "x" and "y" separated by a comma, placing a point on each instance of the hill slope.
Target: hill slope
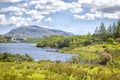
{"x": 35, "y": 32}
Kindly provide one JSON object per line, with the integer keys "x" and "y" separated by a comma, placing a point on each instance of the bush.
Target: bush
{"x": 8, "y": 57}
{"x": 117, "y": 40}
{"x": 110, "y": 40}
{"x": 104, "y": 58}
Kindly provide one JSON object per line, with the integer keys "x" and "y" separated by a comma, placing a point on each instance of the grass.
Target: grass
{"x": 47, "y": 70}
{"x": 90, "y": 52}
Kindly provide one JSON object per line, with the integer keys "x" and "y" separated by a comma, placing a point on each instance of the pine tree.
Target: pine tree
{"x": 103, "y": 32}
{"x": 95, "y": 36}
{"x": 96, "y": 30}
{"x": 114, "y": 30}
{"x": 110, "y": 31}
{"x": 118, "y": 30}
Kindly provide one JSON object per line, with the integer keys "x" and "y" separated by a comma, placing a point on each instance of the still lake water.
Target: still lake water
{"x": 35, "y": 52}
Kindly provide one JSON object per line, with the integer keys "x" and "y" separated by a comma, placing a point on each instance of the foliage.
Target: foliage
{"x": 8, "y": 57}
{"x": 111, "y": 40}
{"x": 61, "y": 41}
{"x": 48, "y": 70}
{"x": 117, "y": 40}
{"x": 102, "y": 34}
{"x": 104, "y": 58}
{"x": 2, "y": 39}
{"x": 5, "y": 39}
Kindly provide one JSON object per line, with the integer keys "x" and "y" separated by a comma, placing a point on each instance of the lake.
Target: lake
{"x": 35, "y": 52}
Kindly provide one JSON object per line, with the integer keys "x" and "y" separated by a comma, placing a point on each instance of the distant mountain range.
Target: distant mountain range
{"x": 35, "y": 32}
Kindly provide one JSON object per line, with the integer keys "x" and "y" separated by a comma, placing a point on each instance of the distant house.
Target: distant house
{"x": 16, "y": 39}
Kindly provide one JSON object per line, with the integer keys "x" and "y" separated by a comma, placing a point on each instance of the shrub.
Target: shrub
{"x": 104, "y": 58}
{"x": 8, "y": 57}
{"x": 110, "y": 40}
{"x": 117, "y": 40}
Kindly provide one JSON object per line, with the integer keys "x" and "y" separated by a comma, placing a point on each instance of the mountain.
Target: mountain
{"x": 35, "y": 32}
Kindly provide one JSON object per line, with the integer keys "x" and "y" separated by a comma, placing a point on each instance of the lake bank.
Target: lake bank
{"x": 35, "y": 52}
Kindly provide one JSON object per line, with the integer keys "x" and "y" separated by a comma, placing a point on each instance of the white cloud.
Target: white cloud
{"x": 25, "y": 5}
{"x": 49, "y": 19}
{"x": 34, "y": 2}
{"x": 36, "y": 10}
{"x": 87, "y": 16}
{"x": 98, "y": 8}
{"x": 102, "y": 3}
{"x": 2, "y": 19}
{"x": 112, "y": 16}
{"x": 35, "y": 15}
{"x": 52, "y": 6}
{"x": 22, "y": 24}
{"x": 105, "y": 8}
{"x": 17, "y": 13}
{"x": 45, "y": 26}
{"x": 18, "y": 21}
{"x": 40, "y": 9}
{"x": 75, "y": 7}
{"x": 13, "y": 1}
{"x": 76, "y": 10}
{"x": 13, "y": 10}
{"x": 37, "y": 18}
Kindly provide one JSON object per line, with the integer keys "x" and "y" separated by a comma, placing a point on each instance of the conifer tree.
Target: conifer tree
{"x": 110, "y": 31}
{"x": 118, "y": 30}
{"x": 114, "y": 30}
{"x": 103, "y": 32}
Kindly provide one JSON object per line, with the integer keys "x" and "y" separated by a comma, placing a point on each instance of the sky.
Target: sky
{"x": 76, "y": 16}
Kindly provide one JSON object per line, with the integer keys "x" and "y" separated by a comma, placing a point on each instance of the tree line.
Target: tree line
{"x": 55, "y": 41}
{"x": 103, "y": 34}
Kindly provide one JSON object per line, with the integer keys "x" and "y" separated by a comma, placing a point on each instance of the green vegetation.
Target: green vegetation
{"x": 99, "y": 58}
{"x": 8, "y": 57}
{"x": 100, "y": 36}
{"x": 22, "y": 67}
{"x": 32, "y": 40}
{"x": 47, "y": 70}
{"x": 2, "y": 39}
{"x": 102, "y": 47}
{"x": 61, "y": 41}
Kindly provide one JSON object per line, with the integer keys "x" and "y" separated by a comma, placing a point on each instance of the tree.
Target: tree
{"x": 2, "y": 39}
{"x": 118, "y": 30}
{"x": 110, "y": 31}
{"x": 114, "y": 30}
{"x": 103, "y": 32}
{"x": 66, "y": 43}
{"x": 95, "y": 36}
{"x": 88, "y": 39}
{"x": 110, "y": 40}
